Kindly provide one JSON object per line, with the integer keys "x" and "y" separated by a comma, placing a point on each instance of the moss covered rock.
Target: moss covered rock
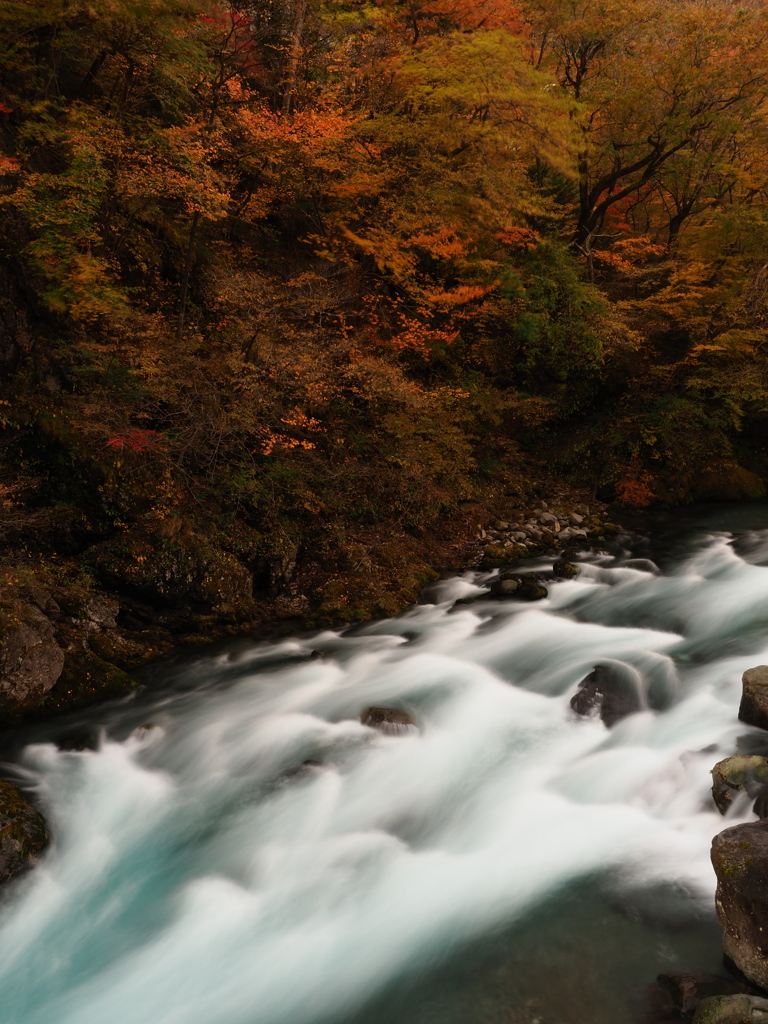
{"x": 740, "y": 860}
{"x": 23, "y": 834}
{"x": 732, "y": 1009}
{"x": 166, "y": 564}
{"x": 740, "y": 772}
{"x": 30, "y": 659}
{"x": 728, "y": 482}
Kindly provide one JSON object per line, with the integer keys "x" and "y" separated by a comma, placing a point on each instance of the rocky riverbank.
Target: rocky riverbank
{"x": 75, "y": 632}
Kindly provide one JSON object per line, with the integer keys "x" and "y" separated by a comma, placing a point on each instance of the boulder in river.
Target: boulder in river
{"x": 23, "y": 834}
{"x": 392, "y": 721}
{"x": 737, "y": 773}
{"x": 607, "y": 693}
{"x": 531, "y": 590}
{"x": 733, "y": 1009}
{"x": 565, "y": 570}
{"x": 505, "y": 587}
{"x": 754, "y": 697}
{"x": 740, "y": 860}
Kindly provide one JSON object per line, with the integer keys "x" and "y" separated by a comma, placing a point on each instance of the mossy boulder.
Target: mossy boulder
{"x": 728, "y": 482}
{"x": 565, "y": 570}
{"x": 23, "y": 834}
{"x": 86, "y": 677}
{"x": 740, "y": 772}
{"x": 754, "y": 697}
{"x": 166, "y": 564}
{"x": 732, "y": 1009}
{"x": 740, "y": 860}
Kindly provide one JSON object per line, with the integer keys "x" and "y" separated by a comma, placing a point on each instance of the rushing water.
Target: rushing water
{"x": 505, "y": 862}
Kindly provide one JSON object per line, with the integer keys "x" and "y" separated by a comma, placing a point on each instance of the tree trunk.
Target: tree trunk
{"x": 294, "y": 55}
{"x": 186, "y": 275}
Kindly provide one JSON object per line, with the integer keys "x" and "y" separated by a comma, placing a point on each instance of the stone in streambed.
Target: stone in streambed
{"x": 684, "y": 992}
{"x": 505, "y": 587}
{"x": 754, "y": 697}
{"x": 566, "y": 570}
{"x": 391, "y": 721}
{"x": 740, "y": 772}
{"x": 733, "y": 1009}
{"x": 531, "y": 590}
{"x": 740, "y": 860}
{"x": 606, "y": 693}
{"x": 23, "y": 834}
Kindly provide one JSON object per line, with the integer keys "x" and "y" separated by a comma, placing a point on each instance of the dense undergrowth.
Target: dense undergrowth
{"x": 292, "y": 283}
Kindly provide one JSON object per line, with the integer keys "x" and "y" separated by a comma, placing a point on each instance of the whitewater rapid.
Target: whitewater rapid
{"x": 203, "y": 872}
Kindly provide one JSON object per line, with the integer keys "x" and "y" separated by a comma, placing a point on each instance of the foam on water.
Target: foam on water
{"x": 202, "y": 873}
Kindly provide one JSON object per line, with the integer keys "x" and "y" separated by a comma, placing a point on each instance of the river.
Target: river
{"x": 239, "y": 849}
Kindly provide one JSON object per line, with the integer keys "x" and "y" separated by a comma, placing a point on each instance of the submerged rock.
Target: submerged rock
{"x": 740, "y": 772}
{"x": 392, "y": 721}
{"x": 740, "y": 860}
{"x": 605, "y": 692}
{"x": 684, "y": 992}
{"x": 732, "y": 1009}
{"x": 754, "y": 697}
{"x": 22, "y": 832}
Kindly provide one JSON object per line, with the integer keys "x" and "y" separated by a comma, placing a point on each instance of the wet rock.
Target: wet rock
{"x": 23, "y": 834}
{"x": 392, "y": 721}
{"x": 605, "y": 692}
{"x": 685, "y": 991}
{"x": 740, "y": 860}
{"x": 566, "y": 570}
{"x": 737, "y": 773}
{"x": 505, "y": 587}
{"x": 754, "y": 697}
{"x": 732, "y": 1009}
{"x": 531, "y": 590}
{"x": 30, "y": 659}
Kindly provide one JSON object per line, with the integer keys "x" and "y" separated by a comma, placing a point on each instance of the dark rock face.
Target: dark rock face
{"x": 30, "y": 659}
{"x": 22, "y": 832}
{"x": 166, "y": 564}
{"x": 392, "y": 721}
{"x": 740, "y": 860}
{"x": 754, "y": 697}
{"x": 733, "y": 1009}
{"x": 606, "y": 693}
{"x": 740, "y": 772}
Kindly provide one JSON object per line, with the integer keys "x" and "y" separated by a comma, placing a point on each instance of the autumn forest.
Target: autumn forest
{"x": 283, "y": 281}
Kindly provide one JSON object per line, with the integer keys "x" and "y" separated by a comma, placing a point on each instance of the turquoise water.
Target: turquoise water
{"x": 505, "y": 861}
